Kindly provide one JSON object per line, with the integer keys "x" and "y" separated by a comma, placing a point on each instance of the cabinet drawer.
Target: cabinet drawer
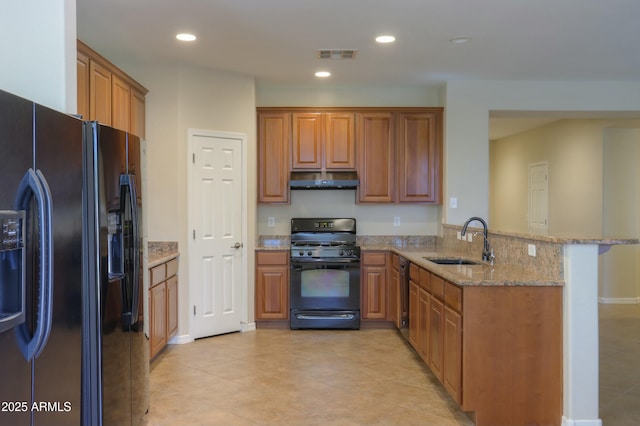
{"x": 374, "y": 258}
{"x": 414, "y": 272}
{"x": 437, "y": 286}
{"x": 425, "y": 279}
{"x": 453, "y": 296}
{"x": 395, "y": 261}
{"x": 172, "y": 267}
{"x": 272, "y": 257}
{"x": 157, "y": 274}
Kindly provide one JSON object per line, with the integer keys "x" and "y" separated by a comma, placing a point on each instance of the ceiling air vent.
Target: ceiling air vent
{"x": 337, "y": 54}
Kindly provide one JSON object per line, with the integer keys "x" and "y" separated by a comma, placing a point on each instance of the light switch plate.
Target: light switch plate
{"x": 271, "y": 221}
{"x": 531, "y": 250}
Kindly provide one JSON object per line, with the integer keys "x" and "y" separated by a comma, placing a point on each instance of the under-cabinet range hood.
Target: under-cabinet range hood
{"x": 324, "y": 180}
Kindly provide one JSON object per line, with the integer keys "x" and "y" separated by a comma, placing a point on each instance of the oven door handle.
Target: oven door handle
{"x": 311, "y": 260}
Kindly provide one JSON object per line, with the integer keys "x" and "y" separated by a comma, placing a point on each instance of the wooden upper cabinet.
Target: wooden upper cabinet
{"x": 339, "y": 141}
{"x": 397, "y": 151}
{"x": 121, "y": 104}
{"x": 376, "y": 157}
{"x": 83, "y": 85}
{"x": 307, "y": 141}
{"x": 107, "y": 94}
{"x": 137, "y": 125}
{"x": 99, "y": 93}
{"x": 419, "y": 148}
{"x": 274, "y": 141}
{"x": 323, "y": 141}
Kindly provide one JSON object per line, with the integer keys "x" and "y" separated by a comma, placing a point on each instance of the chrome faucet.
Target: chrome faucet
{"x": 487, "y": 251}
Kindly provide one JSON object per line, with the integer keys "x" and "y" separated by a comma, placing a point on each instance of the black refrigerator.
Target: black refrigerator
{"x": 118, "y": 360}
{"x": 40, "y": 265}
{"x": 72, "y": 351}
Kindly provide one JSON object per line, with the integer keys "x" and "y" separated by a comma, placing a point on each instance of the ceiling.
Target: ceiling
{"x": 276, "y": 41}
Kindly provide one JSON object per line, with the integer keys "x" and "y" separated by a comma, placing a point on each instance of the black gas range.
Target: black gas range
{"x": 325, "y": 274}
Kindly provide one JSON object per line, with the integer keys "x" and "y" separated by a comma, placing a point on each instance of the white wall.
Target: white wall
{"x": 373, "y": 219}
{"x": 181, "y": 98}
{"x": 38, "y": 52}
{"x": 468, "y": 103}
{"x": 594, "y": 189}
{"x": 619, "y": 273}
{"x": 573, "y": 150}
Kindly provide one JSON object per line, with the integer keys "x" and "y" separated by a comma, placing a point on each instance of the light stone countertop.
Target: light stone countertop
{"x": 477, "y": 275}
{"x": 161, "y": 252}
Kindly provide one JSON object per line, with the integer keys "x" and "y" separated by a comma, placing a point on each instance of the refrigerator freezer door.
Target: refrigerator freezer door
{"x": 16, "y": 143}
{"x": 58, "y": 368}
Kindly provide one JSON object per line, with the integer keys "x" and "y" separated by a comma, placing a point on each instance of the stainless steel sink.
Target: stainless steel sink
{"x": 451, "y": 261}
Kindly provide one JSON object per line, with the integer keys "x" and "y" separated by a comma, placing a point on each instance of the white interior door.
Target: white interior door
{"x": 539, "y": 196}
{"x": 216, "y": 252}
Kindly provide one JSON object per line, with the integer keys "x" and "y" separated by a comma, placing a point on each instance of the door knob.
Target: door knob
{"x": 237, "y": 245}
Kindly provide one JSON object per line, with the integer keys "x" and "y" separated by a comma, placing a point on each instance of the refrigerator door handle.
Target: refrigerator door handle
{"x": 130, "y": 181}
{"x": 35, "y": 185}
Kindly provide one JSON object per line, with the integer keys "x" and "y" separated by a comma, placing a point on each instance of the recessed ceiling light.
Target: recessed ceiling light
{"x": 460, "y": 40}
{"x": 385, "y": 39}
{"x": 186, "y": 37}
{"x": 323, "y": 74}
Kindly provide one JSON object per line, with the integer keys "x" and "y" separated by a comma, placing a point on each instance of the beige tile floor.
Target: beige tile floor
{"x": 368, "y": 377}
{"x": 620, "y": 365}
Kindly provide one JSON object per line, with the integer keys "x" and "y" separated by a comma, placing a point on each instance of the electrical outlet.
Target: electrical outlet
{"x": 459, "y": 235}
{"x": 271, "y": 221}
{"x": 470, "y": 237}
{"x": 531, "y": 250}
{"x": 453, "y": 202}
{"x": 396, "y": 221}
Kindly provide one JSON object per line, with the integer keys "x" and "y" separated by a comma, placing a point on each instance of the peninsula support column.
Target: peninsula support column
{"x": 580, "y": 319}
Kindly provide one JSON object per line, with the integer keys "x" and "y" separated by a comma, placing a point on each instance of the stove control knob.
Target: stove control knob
{"x": 301, "y": 253}
{"x": 309, "y": 253}
{"x": 341, "y": 253}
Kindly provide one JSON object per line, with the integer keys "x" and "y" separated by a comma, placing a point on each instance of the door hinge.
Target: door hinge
{"x": 193, "y": 158}
{"x": 194, "y": 234}
{"x": 194, "y": 310}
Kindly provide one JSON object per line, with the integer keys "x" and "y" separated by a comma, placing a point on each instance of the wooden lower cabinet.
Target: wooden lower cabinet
{"x": 157, "y": 319}
{"x": 394, "y": 305}
{"x": 374, "y": 285}
{"x": 497, "y": 350}
{"x": 452, "y": 354}
{"x": 422, "y": 338}
{"x": 163, "y": 305}
{"x": 272, "y": 285}
{"x": 414, "y": 298}
{"x": 436, "y": 336}
{"x": 172, "y": 306}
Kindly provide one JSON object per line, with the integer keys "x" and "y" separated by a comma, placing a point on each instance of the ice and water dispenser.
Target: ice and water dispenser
{"x": 12, "y": 269}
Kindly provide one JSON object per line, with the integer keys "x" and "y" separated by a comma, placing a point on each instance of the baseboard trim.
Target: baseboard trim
{"x": 619, "y": 300}
{"x": 244, "y": 326}
{"x": 590, "y": 422}
{"x": 180, "y": 340}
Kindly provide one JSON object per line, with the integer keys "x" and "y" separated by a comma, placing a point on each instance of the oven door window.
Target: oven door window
{"x": 324, "y": 283}
{"x": 329, "y": 285}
